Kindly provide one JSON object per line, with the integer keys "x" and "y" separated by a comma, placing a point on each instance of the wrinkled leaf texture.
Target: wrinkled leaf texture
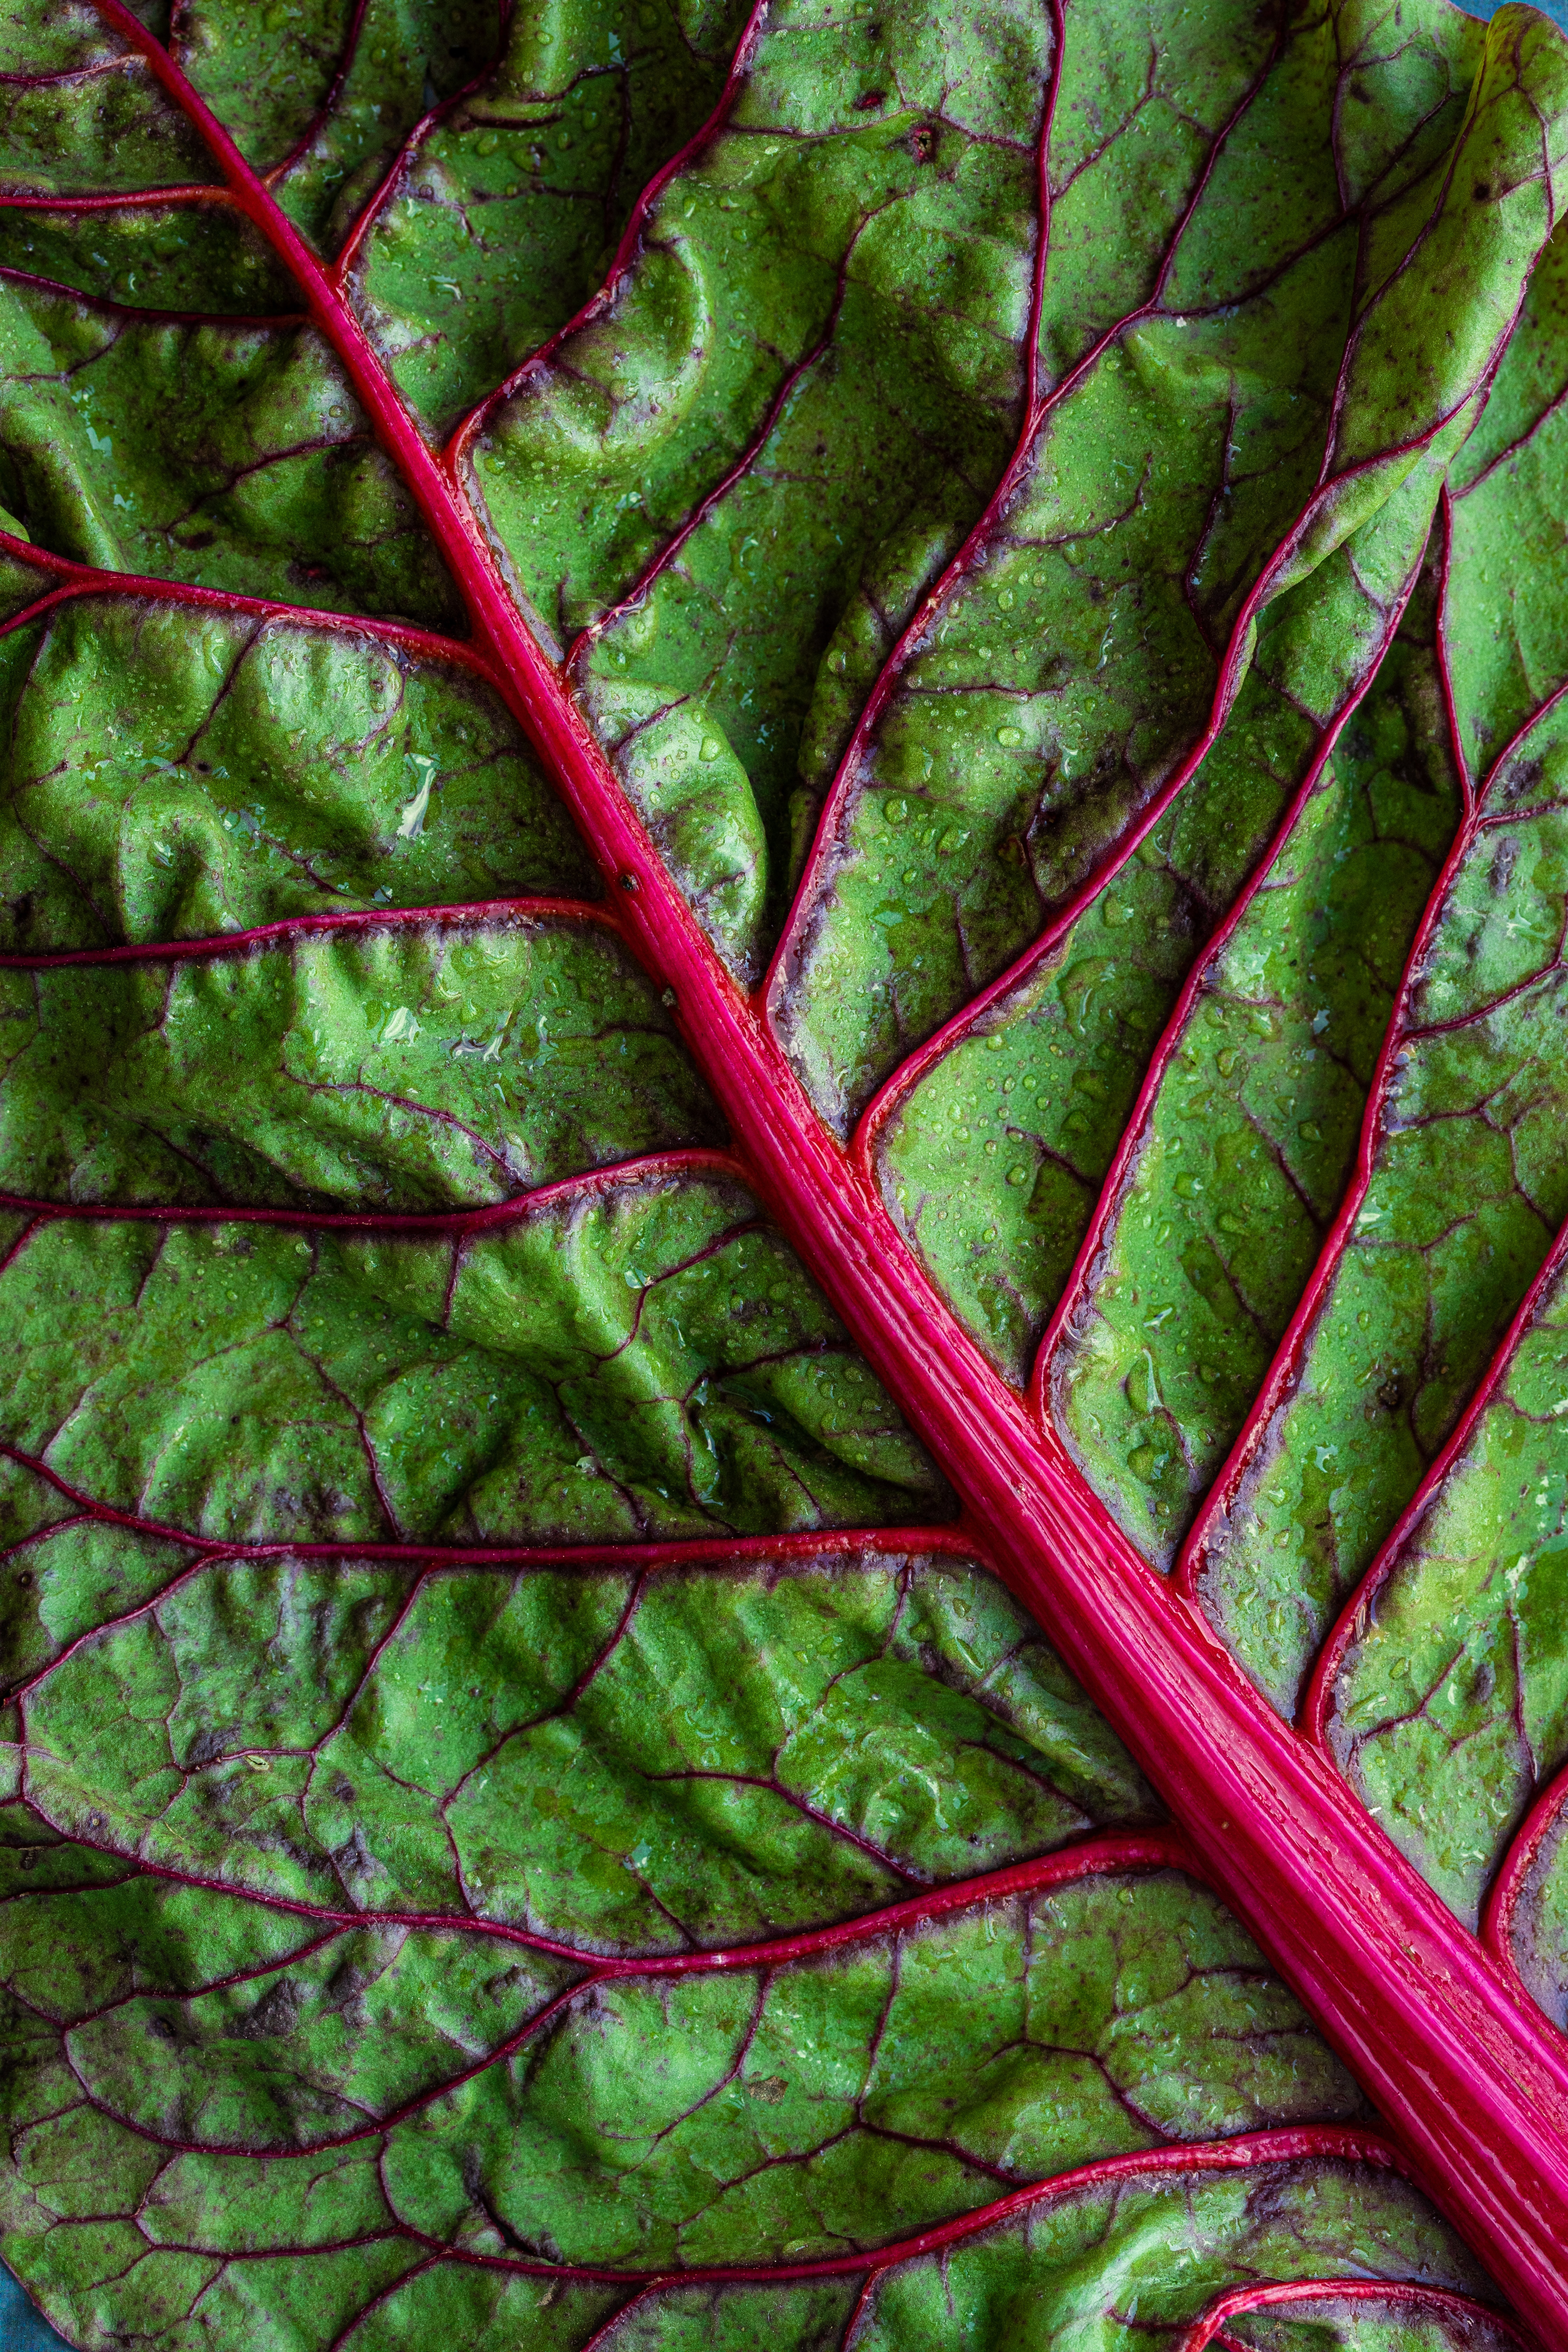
{"x": 1006, "y": 563}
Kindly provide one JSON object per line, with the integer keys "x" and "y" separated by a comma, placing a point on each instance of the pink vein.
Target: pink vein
{"x": 461, "y": 1224}
{"x": 679, "y": 1553}
{"x": 84, "y": 579}
{"x": 1255, "y": 2150}
{"x": 1092, "y": 1857}
{"x": 1499, "y": 1915}
{"x": 1412, "y": 2295}
{"x": 1318, "y": 1699}
{"x": 1290, "y": 1356}
{"x": 133, "y": 199}
{"x": 469, "y": 915}
{"x": 1108, "y": 1208}
{"x": 964, "y": 1023}
{"x": 626, "y": 251}
{"x": 1304, "y": 2143}
{"x": 973, "y": 555}
{"x": 703, "y": 1555}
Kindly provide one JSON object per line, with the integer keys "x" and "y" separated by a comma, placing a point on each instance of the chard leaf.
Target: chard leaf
{"x": 781, "y": 1209}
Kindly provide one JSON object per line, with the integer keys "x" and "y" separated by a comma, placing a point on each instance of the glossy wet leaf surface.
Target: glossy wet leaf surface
{"x": 530, "y": 1815}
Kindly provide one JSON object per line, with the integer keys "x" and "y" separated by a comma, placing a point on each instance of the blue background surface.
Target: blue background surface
{"x": 21, "y": 2329}
{"x": 1556, "y": 10}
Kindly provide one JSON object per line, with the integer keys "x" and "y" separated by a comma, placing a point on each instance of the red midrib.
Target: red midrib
{"x": 1473, "y": 2082}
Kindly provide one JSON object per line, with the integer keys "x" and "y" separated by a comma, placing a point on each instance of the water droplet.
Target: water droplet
{"x": 711, "y": 748}
{"x": 1009, "y": 736}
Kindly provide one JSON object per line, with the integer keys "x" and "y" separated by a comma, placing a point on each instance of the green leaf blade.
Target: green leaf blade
{"x": 529, "y": 1811}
